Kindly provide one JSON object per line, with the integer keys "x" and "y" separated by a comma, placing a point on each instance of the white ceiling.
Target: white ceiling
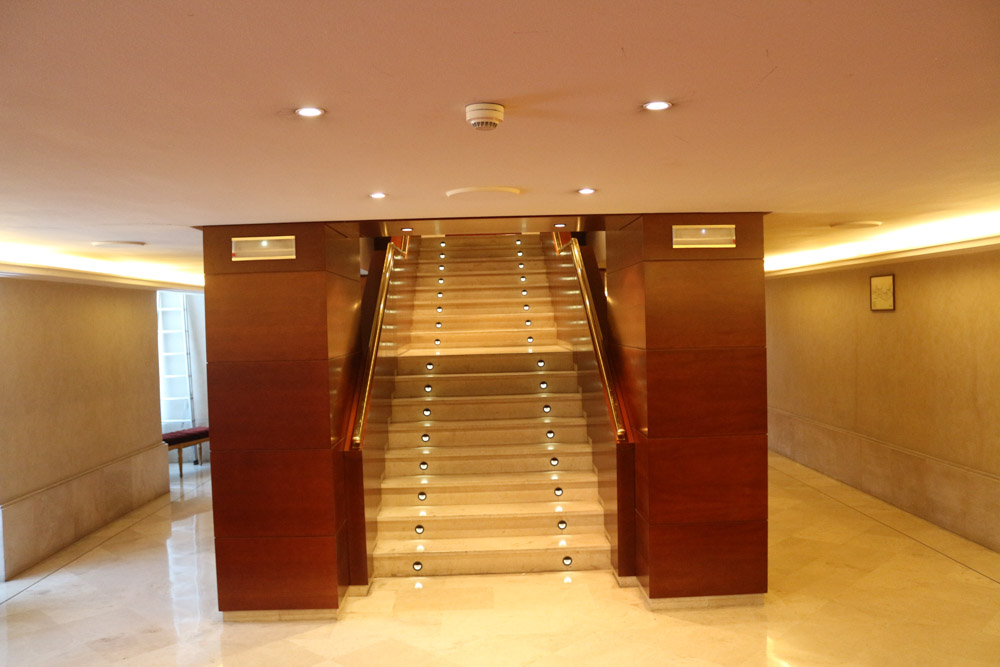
{"x": 125, "y": 120}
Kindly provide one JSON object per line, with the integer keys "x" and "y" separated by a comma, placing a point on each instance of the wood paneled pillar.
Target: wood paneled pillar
{"x": 688, "y": 340}
{"x": 282, "y": 357}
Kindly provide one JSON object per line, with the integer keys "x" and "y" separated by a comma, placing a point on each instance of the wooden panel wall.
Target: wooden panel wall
{"x": 282, "y": 359}
{"x": 688, "y": 340}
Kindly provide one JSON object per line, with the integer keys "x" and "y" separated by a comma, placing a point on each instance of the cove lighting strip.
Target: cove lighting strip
{"x": 916, "y": 237}
{"x": 36, "y": 256}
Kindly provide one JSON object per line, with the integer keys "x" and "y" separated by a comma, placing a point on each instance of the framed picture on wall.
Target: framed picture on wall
{"x": 883, "y": 292}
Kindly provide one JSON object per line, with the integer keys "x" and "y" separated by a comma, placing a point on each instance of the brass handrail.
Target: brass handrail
{"x": 373, "y": 343}
{"x": 595, "y": 334}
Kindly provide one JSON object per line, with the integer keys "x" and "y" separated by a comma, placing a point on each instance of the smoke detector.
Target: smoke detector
{"x": 484, "y": 115}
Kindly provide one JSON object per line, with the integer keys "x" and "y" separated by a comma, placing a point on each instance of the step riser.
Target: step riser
{"x": 485, "y": 242}
{"x": 472, "y": 264}
{"x": 473, "y": 314}
{"x": 490, "y": 563}
{"x": 591, "y": 524}
{"x": 451, "y": 250}
{"x": 470, "y": 296}
{"x": 489, "y": 464}
{"x": 523, "y": 408}
{"x": 427, "y": 326}
{"x": 479, "y": 496}
{"x": 409, "y": 436}
{"x": 458, "y": 340}
{"x": 413, "y": 386}
{"x": 508, "y": 281}
{"x": 443, "y": 365}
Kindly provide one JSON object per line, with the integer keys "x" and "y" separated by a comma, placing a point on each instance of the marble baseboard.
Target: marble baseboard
{"x": 277, "y": 615}
{"x": 703, "y": 602}
{"x": 964, "y": 501}
{"x": 39, "y": 524}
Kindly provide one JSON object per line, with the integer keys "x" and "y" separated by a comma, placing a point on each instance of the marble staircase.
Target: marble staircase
{"x": 488, "y": 466}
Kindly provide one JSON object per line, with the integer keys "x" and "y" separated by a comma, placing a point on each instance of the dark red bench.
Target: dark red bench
{"x": 188, "y": 437}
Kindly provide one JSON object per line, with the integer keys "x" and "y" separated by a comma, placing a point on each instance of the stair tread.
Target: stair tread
{"x": 515, "y": 543}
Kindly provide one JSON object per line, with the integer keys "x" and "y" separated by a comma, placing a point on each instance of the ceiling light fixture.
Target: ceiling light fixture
{"x": 658, "y": 105}
{"x": 38, "y": 256}
{"x": 560, "y": 225}
{"x": 586, "y": 191}
{"x": 103, "y": 244}
{"x": 407, "y": 229}
{"x": 377, "y": 195}
{"x": 856, "y": 224}
{"x": 309, "y": 112}
{"x": 982, "y": 227}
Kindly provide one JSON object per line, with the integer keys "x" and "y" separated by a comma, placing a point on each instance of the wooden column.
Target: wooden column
{"x": 282, "y": 356}
{"x": 688, "y": 338}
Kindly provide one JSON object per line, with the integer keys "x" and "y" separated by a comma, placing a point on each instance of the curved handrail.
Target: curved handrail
{"x": 595, "y": 334}
{"x": 361, "y": 416}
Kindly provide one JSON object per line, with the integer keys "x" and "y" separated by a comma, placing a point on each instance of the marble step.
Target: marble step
{"x": 466, "y": 409}
{"x": 485, "y": 241}
{"x": 402, "y": 298}
{"x": 458, "y": 323}
{"x": 499, "y": 520}
{"x": 482, "y": 281}
{"x": 527, "y": 487}
{"x": 491, "y": 555}
{"x": 430, "y": 265}
{"x": 518, "y": 338}
{"x": 511, "y": 305}
{"x": 458, "y": 248}
{"x": 532, "y": 383}
{"x": 538, "y": 430}
{"x": 478, "y": 363}
{"x": 474, "y": 293}
{"x": 466, "y": 460}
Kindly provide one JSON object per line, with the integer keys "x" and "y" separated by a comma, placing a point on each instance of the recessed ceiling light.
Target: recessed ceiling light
{"x": 560, "y": 224}
{"x": 407, "y": 229}
{"x": 586, "y": 191}
{"x": 377, "y": 195}
{"x": 309, "y": 112}
{"x": 658, "y": 105}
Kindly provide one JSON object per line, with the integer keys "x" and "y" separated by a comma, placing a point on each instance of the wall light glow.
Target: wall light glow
{"x": 915, "y": 237}
{"x": 30, "y": 255}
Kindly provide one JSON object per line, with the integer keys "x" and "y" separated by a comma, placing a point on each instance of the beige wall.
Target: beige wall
{"x": 905, "y": 404}
{"x": 79, "y": 413}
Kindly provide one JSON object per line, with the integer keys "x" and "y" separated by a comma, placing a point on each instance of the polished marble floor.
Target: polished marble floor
{"x": 853, "y": 581}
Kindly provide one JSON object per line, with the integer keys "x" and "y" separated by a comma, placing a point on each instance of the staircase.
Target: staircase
{"x": 488, "y": 465}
